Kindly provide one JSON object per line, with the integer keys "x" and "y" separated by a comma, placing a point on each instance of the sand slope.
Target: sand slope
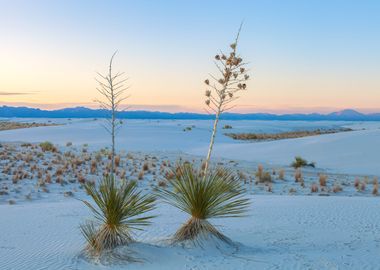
{"x": 281, "y": 232}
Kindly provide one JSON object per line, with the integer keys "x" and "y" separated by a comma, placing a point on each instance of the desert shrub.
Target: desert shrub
{"x": 214, "y": 195}
{"x": 362, "y": 186}
{"x": 264, "y": 177}
{"x": 162, "y": 183}
{"x": 48, "y": 147}
{"x": 357, "y": 183}
{"x": 242, "y": 176}
{"x": 298, "y": 175}
{"x": 117, "y": 161}
{"x": 281, "y": 174}
{"x": 322, "y": 180}
{"x": 260, "y": 171}
{"x": 145, "y": 166}
{"x": 375, "y": 190}
{"x": 314, "y": 188}
{"x": 337, "y": 188}
{"x": 118, "y": 210}
{"x": 141, "y": 175}
{"x": 299, "y": 162}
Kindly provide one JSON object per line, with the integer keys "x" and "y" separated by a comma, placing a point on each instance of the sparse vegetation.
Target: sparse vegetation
{"x": 322, "y": 180}
{"x": 48, "y": 147}
{"x": 7, "y": 125}
{"x": 283, "y": 135}
{"x": 299, "y": 162}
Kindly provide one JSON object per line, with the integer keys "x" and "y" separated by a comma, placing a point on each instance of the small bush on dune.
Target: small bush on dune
{"x": 263, "y": 177}
{"x": 322, "y": 180}
{"x": 117, "y": 211}
{"x": 298, "y": 176}
{"x": 337, "y": 188}
{"x": 314, "y": 188}
{"x": 215, "y": 195}
{"x": 48, "y": 147}
{"x": 281, "y": 174}
{"x": 357, "y": 183}
{"x": 375, "y": 190}
{"x": 299, "y": 162}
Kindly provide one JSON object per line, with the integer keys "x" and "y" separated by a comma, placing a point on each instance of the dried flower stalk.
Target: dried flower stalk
{"x": 112, "y": 87}
{"x": 222, "y": 89}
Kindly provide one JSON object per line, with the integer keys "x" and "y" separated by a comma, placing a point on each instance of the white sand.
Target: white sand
{"x": 281, "y": 232}
{"x": 348, "y": 152}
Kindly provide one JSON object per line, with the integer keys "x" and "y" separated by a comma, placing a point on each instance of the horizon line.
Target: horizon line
{"x": 336, "y": 110}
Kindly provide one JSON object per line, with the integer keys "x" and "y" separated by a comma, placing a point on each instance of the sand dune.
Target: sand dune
{"x": 281, "y": 232}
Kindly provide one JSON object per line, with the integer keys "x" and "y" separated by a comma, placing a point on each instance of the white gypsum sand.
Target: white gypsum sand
{"x": 281, "y": 231}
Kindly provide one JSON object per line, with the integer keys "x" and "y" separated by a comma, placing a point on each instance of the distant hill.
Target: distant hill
{"x": 82, "y": 112}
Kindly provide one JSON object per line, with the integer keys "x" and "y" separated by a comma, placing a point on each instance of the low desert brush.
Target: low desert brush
{"x": 322, "y": 180}
{"x": 314, "y": 188}
{"x": 299, "y": 162}
{"x": 298, "y": 176}
{"x": 281, "y": 174}
{"x": 48, "y": 147}
{"x": 218, "y": 194}
{"x": 118, "y": 210}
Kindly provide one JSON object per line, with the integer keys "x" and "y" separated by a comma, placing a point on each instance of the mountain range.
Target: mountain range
{"x": 83, "y": 112}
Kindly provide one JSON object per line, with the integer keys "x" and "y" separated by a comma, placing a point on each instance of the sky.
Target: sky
{"x": 304, "y": 56}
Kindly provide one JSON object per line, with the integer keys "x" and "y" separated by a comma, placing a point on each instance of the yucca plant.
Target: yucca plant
{"x": 118, "y": 210}
{"x": 218, "y": 195}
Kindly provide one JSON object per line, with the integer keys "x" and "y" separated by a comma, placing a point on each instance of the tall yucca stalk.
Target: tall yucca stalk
{"x": 222, "y": 89}
{"x": 118, "y": 210}
{"x": 217, "y": 195}
{"x": 111, "y": 86}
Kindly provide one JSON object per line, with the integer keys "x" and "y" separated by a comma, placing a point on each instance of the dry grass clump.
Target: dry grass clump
{"x": 375, "y": 190}
{"x": 117, "y": 161}
{"x": 242, "y": 176}
{"x": 117, "y": 211}
{"x": 299, "y": 162}
{"x": 281, "y": 174}
{"x": 314, "y": 188}
{"x": 322, "y": 180}
{"x": 48, "y": 147}
{"x": 162, "y": 183}
{"x": 262, "y": 176}
{"x": 145, "y": 166}
{"x": 298, "y": 176}
{"x": 141, "y": 175}
{"x": 337, "y": 188}
{"x": 356, "y": 183}
{"x": 227, "y": 127}
{"x": 265, "y": 177}
{"x": 362, "y": 186}
{"x": 217, "y": 194}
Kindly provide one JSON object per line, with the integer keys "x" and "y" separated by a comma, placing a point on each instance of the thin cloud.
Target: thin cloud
{"x": 15, "y": 93}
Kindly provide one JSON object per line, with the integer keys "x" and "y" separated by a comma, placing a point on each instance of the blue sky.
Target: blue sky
{"x": 304, "y": 55}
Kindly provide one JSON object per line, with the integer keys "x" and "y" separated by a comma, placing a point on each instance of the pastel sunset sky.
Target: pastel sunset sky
{"x": 304, "y": 56}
